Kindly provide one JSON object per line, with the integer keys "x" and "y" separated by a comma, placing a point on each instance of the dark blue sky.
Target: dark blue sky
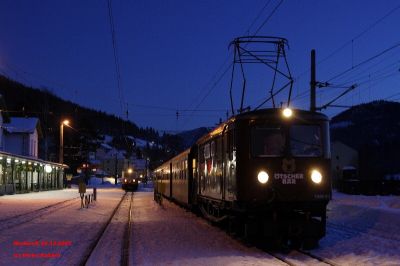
{"x": 170, "y": 52}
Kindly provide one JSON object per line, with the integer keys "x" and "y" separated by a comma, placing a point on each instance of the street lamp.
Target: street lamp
{"x": 61, "y": 158}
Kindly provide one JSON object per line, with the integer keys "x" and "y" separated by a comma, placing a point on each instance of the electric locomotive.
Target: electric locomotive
{"x": 264, "y": 172}
{"x": 130, "y": 182}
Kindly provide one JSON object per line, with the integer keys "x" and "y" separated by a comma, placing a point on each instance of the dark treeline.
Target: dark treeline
{"x": 89, "y": 125}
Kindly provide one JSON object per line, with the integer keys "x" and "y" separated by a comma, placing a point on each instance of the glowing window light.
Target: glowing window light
{"x": 48, "y": 168}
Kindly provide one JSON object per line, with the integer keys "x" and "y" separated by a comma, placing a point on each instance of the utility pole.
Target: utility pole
{"x": 313, "y": 83}
{"x": 116, "y": 168}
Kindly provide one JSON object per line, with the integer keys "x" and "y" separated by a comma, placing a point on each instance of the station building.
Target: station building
{"x": 21, "y": 170}
{"x": 22, "y": 174}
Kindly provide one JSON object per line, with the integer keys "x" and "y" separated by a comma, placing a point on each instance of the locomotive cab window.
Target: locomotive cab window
{"x": 305, "y": 140}
{"x": 268, "y": 141}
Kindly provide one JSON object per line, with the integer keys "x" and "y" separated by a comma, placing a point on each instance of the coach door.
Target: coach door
{"x": 229, "y": 146}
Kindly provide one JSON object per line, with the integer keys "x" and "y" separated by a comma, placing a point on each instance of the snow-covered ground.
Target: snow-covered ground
{"x": 58, "y": 238}
{"x": 362, "y": 230}
{"x": 170, "y": 235}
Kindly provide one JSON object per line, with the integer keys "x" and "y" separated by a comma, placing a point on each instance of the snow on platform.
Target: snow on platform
{"x": 362, "y": 230}
{"x": 57, "y": 238}
{"x": 170, "y": 235}
{"x": 11, "y": 205}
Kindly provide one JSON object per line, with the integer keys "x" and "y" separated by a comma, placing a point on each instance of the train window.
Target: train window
{"x": 231, "y": 144}
{"x": 207, "y": 151}
{"x": 201, "y": 154}
{"x": 213, "y": 149}
{"x": 305, "y": 140}
{"x": 267, "y": 141}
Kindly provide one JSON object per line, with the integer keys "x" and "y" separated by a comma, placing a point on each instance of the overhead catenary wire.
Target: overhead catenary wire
{"x": 224, "y": 70}
{"x": 355, "y": 37}
{"x": 365, "y": 61}
{"x": 115, "y": 53}
{"x": 118, "y": 72}
{"x": 268, "y": 17}
{"x": 305, "y": 92}
{"x": 353, "y": 68}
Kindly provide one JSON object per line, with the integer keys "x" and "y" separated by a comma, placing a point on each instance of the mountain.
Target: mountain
{"x": 88, "y": 125}
{"x": 374, "y": 130}
{"x": 190, "y": 137}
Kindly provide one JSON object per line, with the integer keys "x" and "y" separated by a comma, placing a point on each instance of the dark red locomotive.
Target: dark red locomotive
{"x": 264, "y": 172}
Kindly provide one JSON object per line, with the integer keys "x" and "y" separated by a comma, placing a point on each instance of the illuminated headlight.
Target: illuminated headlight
{"x": 125, "y": 180}
{"x": 316, "y": 176}
{"x": 262, "y": 177}
{"x": 133, "y": 180}
{"x": 287, "y": 112}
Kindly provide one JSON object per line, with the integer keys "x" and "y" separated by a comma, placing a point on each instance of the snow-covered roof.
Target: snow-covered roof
{"x": 341, "y": 124}
{"x": 115, "y": 153}
{"x": 106, "y": 146}
{"x": 22, "y": 125}
{"x": 108, "y": 138}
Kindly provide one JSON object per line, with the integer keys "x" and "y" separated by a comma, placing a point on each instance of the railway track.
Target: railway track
{"x": 300, "y": 257}
{"x": 97, "y": 246}
{"x": 31, "y": 215}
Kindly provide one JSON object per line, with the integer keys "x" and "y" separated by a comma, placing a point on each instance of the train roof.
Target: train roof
{"x": 176, "y": 157}
{"x": 277, "y": 112}
{"x": 270, "y": 113}
{"x": 298, "y": 114}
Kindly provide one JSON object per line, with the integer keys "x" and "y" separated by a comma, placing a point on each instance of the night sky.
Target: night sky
{"x": 172, "y": 53}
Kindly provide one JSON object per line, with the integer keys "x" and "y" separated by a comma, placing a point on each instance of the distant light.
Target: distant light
{"x": 130, "y": 171}
{"x": 47, "y": 168}
{"x": 16, "y": 160}
{"x": 1, "y": 158}
{"x": 29, "y": 163}
{"x": 287, "y": 112}
{"x": 141, "y": 175}
{"x": 23, "y": 162}
{"x": 66, "y": 122}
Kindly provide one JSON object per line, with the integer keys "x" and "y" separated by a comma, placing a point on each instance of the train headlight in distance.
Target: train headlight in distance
{"x": 316, "y": 176}
{"x": 262, "y": 177}
{"x": 287, "y": 112}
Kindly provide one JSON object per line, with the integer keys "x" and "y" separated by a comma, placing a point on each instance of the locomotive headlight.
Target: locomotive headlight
{"x": 262, "y": 177}
{"x": 316, "y": 176}
{"x": 287, "y": 112}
